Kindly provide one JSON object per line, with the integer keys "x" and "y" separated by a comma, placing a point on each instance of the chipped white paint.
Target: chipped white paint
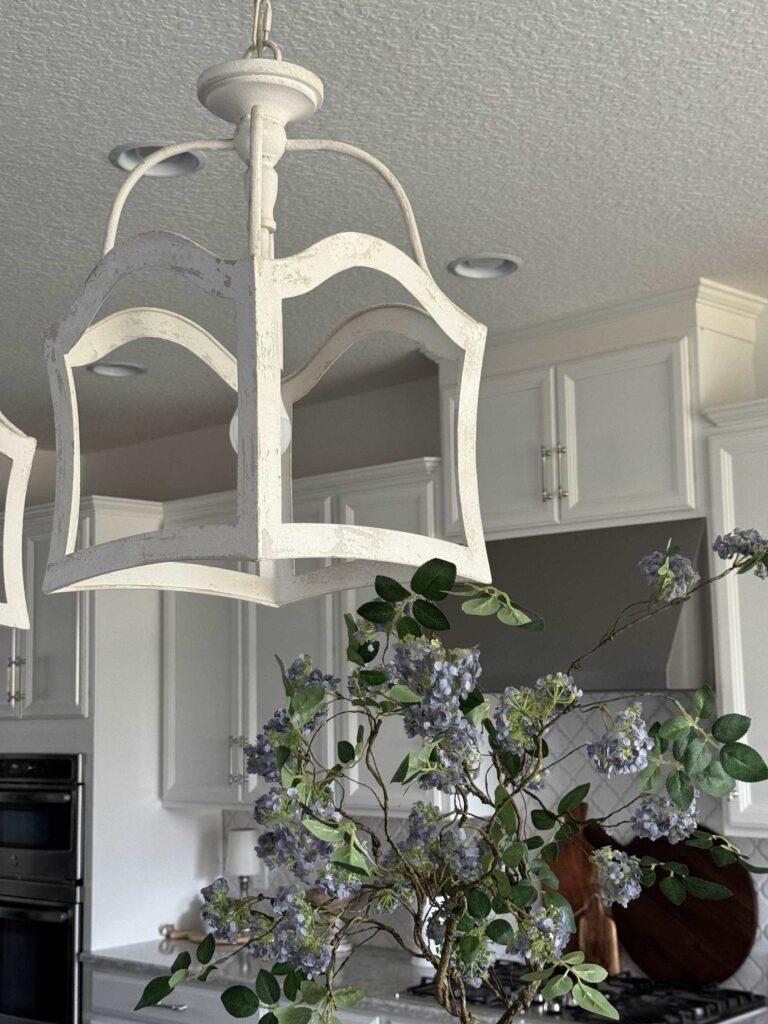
{"x": 20, "y": 449}
{"x": 262, "y": 97}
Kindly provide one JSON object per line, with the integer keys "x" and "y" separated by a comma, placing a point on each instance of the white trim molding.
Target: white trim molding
{"x": 20, "y": 449}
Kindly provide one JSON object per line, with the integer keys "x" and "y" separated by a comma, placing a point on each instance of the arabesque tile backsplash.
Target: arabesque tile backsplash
{"x": 574, "y": 732}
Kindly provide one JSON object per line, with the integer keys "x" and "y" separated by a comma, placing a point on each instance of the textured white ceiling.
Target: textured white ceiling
{"x": 618, "y": 149}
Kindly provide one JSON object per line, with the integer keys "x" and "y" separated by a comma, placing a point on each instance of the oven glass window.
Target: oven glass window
{"x": 31, "y": 821}
{"x": 36, "y": 962}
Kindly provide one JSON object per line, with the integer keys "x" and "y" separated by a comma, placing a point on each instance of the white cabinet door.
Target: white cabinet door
{"x": 624, "y": 433}
{"x": 208, "y": 660}
{"x": 739, "y": 477}
{"x": 406, "y": 506}
{"x": 55, "y": 652}
{"x": 515, "y": 451}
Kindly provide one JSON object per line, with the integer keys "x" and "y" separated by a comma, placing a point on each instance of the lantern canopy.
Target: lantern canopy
{"x": 261, "y": 96}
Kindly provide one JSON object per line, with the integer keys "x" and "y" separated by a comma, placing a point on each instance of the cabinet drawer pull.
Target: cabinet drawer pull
{"x": 562, "y": 490}
{"x": 173, "y": 1007}
{"x": 546, "y": 453}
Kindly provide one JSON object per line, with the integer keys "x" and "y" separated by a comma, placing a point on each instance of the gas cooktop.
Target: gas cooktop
{"x": 638, "y": 1000}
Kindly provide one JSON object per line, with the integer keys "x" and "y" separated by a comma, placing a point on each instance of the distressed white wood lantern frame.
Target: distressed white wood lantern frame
{"x": 20, "y": 449}
{"x": 261, "y": 97}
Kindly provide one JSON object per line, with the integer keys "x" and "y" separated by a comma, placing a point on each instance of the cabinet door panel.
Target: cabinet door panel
{"x": 54, "y": 676}
{"x": 515, "y": 458}
{"x": 623, "y": 426}
{"x": 402, "y": 507}
{"x": 739, "y": 465}
{"x": 205, "y": 666}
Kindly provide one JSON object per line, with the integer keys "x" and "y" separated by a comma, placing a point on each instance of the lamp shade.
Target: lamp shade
{"x": 241, "y": 856}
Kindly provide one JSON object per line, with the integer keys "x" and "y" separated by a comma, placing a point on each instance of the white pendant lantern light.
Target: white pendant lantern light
{"x": 260, "y": 95}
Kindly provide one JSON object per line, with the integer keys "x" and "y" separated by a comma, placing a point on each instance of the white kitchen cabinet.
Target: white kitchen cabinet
{"x": 739, "y": 481}
{"x": 590, "y": 442}
{"x": 220, "y": 678}
{"x": 47, "y": 666}
{"x": 624, "y": 444}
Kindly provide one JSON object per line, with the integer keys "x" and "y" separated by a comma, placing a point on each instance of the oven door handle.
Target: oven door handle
{"x": 26, "y": 914}
{"x": 20, "y": 797}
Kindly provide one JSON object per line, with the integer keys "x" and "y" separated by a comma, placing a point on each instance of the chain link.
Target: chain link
{"x": 262, "y": 26}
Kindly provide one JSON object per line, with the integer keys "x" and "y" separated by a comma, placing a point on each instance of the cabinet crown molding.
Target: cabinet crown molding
{"x": 739, "y": 414}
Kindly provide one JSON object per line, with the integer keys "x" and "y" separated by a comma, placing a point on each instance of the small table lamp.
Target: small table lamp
{"x": 241, "y": 859}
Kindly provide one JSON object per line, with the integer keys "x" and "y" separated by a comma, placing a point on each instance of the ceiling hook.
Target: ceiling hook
{"x": 262, "y": 26}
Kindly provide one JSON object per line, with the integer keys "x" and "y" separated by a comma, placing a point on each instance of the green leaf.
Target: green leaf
{"x": 267, "y": 987}
{"x": 182, "y": 962}
{"x": 346, "y": 997}
{"x": 705, "y": 890}
{"x": 403, "y": 694}
{"x": 743, "y": 763}
{"x": 405, "y": 769}
{"x": 372, "y": 677}
{"x": 715, "y": 780}
{"x": 406, "y": 626}
{"x": 673, "y": 726}
{"x": 697, "y": 756}
{"x": 155, "y": 990}
{"x": 560, "y": 985}
{"x": 500, "y": 931}
{"x": 649, "y": 778}
{"x": 379, "y": 612}
{"x": 676, "y": 867}
{"x": 522, "y": 894}
{"x": 590, "y": 972}
{"x": 291, "y": 986}
{"x": 704, "y": 701}
{"x": 514, "y": 854}
{"x": 177, "y": 977}
{"x": 429, "y": 615}
{"x": 593, "y": 1000}
{"x": 390, "y": 590}
{"x": 307, "y": 701}
{"x": 543, "y": 871}
{"x": 346, "y": 752}
{"x": 293, "y": 1015}
{"x": 577, "y": 957}
{"x": 240, "y": 1001}
{"x": 486, "y": 605}
{"x": 478, "y": 904}
{"x": 729, "y": 728}
{"x": 573, "y": 798}
{"x": 515, "y": 615}
{"x": 206, "y": 949}
{"x": 206, "y": 972}
{"x": 328, "y": 833}
{"x": 755, "y": 869}
{"x": 268, "y": 1018}
{"x": 469, "y": 947}
{"x": 543, "y": 820}
{"x": 312, "y": 993}
{"x": 722, "y": 856}
{"x": 680, "y": 789}
{"x": 545, "y": 972}
{"x": 673, "y": 889}
{"x": 434, "y": 579}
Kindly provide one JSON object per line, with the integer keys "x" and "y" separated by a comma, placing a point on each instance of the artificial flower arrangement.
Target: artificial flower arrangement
{"x": 476, "y": 876}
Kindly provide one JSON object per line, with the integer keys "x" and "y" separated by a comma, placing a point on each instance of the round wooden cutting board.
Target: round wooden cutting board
{"x": 699, "y": 942}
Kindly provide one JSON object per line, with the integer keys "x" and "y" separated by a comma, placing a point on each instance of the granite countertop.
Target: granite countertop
{"x": 383, "y": 973}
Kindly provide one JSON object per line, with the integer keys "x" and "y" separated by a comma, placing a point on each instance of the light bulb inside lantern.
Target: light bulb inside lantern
{"x": 286, "y": 431}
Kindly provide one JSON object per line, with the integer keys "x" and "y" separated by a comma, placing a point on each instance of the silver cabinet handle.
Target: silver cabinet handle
{"x": 562, "y": 491}
{"x": 15, "y": 693}
{"x": 173, "y": 1007}
{"x": 546, "y": 453}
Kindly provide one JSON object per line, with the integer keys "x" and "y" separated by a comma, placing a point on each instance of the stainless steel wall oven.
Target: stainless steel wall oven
{"x": 41, "y": 874}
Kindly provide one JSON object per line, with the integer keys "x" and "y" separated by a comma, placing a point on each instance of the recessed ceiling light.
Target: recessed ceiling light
{"x": 483, "y": 266}
{"x": 129, "y": 156}
{"x": 117, "y": 369}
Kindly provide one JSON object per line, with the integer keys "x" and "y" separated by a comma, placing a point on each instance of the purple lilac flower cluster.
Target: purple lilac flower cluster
{"x": 473, "y": 971}
{"x": 671, "y": 583}
{"x": 433, "y": 842}
{"x": 744, "y": 544}
{"x": 619, "y": 876}
{"x": 625, "y": 748}
{"x": 658, "y": 816}
{"x": 443, "y": 678}
{"x": 226, "y": 917}
{"x": 523, "y": 712}
{"x": 298, "y": 938}
{"x": 542, "y": 936}
{"x": 301, "y": 673}
{"x": 286, "y": 844}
